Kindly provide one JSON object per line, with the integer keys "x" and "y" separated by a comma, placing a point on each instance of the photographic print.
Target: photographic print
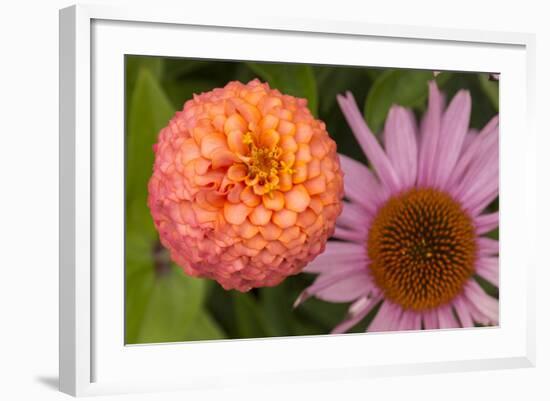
{"x": 275, "y": 199}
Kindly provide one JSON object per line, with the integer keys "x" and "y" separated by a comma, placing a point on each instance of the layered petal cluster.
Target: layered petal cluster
{"x": 246, "y": 186}
{"x": 412, "y": 236}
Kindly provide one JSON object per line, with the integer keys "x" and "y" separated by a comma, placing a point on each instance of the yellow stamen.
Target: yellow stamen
{"x": 264, "y": 165}
{"x": 286, "y": 168}
{"x": 247, "y": 139}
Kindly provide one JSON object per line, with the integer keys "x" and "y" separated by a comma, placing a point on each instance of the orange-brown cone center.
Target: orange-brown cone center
{"x": 422, "y": 248}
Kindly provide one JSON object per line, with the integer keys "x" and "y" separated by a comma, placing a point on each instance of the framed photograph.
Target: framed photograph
{"x": 359, "y": 211}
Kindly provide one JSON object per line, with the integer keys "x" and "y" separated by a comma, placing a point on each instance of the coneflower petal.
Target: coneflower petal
{"x": 454, "y": 127}
{"x": 400, "y": 140}
{"x": 486, "y": 222}
{"x": 430, "y": 132}
{"x": 368, "y": 143}
{"x": 368, "y": 192}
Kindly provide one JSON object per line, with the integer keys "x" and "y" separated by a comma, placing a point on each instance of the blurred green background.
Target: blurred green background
{"x": 165, "y": 305}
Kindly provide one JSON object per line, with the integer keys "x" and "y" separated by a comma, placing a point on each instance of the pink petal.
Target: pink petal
{"x": 477, "y": 316}
{"x": 488, "y": 269}
{"x": 478, "y": 185}
{"x": 357, "y": 311}
{"x": 446, "y": 318}
{"x": 454, "y": 127}
{"x": 430, "y": 319}
{"x": 335, "y": 248}
{"x": 491, "y": 125}
{"x": 486, "y": 222}
{"x": 463, "y": 312}
{"x": 344, "y": 286}
{"x": 341, "y": 288}
{"x": 339, "y": 256}
{"x": 429, "y": 138}
{"x": 336, "y": 264}
{"x": 401, "y": 146}
{"x": 483, "y": 307}
{"x": 350, "y": 234}
{"x": 353, "y": 216}
{"x": 477, "y": 166}
{"x": 360, "y": 184}
{"x": 487, "y": 246}
{"x": 484, "y": 199}
{"x": 469, "y": 139}
{"x": 474, "y": 150}
{"x": 368, "y": 142}
{"x": 410, "y": 320}
{"x": 387, "y": 318}
{"x": 484, "y": 189}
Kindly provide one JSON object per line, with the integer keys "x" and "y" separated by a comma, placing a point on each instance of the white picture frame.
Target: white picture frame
{"x": 94, "y": 360}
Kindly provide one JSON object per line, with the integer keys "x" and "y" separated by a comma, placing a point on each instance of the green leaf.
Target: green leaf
{"x": 283, "y": 319}
{"x": 490, "y": 88}
{"x": 150, "y": 110}
{"x": 134, "y": 64}
{"x": 251, "y": 322}
{"x": 177, "y": 68}
{"x": 174, "y": 303}
{"x": 138, "y": 288}
{"x": 181, "y": 91}
{"x": 204, "y": 327}
{"x": 494, "y": 234}
{"x": 325, "y": 314}
{"x": 276, "y": 302}
{"x": 333, "y": 81}
{"x": 292, "y": 79}
{"x": 404, "y": 87}
{"x": 373, "y": 73}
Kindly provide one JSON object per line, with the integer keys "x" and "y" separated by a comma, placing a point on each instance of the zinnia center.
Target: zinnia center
{"x": 422, "y": 248}
{"x": 264, "y": 163}
{"x": 263, "y": 166}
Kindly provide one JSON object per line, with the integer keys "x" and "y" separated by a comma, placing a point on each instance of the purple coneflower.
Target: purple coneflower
{"x": 411, "y": 236}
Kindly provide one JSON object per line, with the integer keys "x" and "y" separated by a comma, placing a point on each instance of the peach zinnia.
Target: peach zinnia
{"x": 246, "y": 186}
